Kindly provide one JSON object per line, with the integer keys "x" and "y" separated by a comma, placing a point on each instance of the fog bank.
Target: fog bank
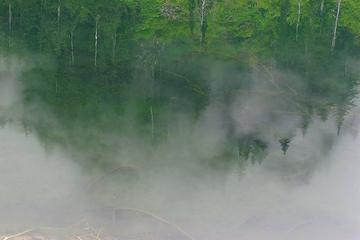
{"x": 306, "y": 194}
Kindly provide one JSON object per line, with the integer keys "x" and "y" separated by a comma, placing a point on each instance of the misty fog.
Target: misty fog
{"x": 306, "y": 194}
{"x": 174, "y": 120}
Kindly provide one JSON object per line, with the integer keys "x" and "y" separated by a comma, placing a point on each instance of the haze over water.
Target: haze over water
{"x": 170, "y": 120}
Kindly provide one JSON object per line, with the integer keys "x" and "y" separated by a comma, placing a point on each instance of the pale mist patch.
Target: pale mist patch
{"x": 310, "y": 193}
{"x": 35, "y": 185}
{"x": 10, "y": 89}
{"x": 29, "y": 175}
{"x": 267, "y": 203}
{"x": 302, "y": 195}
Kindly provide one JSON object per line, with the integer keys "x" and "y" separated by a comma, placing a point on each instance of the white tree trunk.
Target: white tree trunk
{"x": 96, "y": 41}
{"x": 333, "y": 43}
{"x": 10, "y": 23}
{"x": 298, "y": 19}
{"x": 59, "y": 14}
{"x": 153, "y": 76}
{"x": 202, "y": 11}
{"x": 238, "y": 157}
{"x": 114, "y": 46}
{"x": 322, "y": 7}
{"x": 42, "y": 4}
{"x": 152, "y": 123}
{"x": 202, "y": 20}
{"x": 72, "y": 47}
{"x": 10, "y": 17}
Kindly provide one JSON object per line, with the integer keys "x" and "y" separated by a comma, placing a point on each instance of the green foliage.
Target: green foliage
{"x": 149, "y": 55}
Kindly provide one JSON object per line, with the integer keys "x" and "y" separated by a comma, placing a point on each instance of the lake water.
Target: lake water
{"x": 142, "y": 121}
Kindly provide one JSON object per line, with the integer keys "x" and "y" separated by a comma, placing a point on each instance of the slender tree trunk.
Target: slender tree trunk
{"x": 59, "y": 14}
{"x": 203, "y": 22}
{"x": 346, "y": 67}
{"x": 153, "y": 76}
{"x": 238, "y": 156}
{"x": 96, "y": 41}
{"x": 191, "y": 15}
{"x": 10, "y": 17}
{"x": 42, "y": 5}
{"x": 72, "y": 47}
{"x": 333, "y": 43}
{"x": 56, "y": 86}
{"x": 298, "y": 19}
{"x": 10, "y": 23}
{"x": 322, "y": 7}
{"x": 306, "y": 59}
{"x": 153, "y": 79}
{"x": 152, "y": 123}
{"x": 114, "y": 46}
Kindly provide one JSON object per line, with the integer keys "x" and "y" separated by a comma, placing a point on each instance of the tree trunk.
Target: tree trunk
{"x": 298, "y": 19}
{"x": 322, "y": 7}
{"x": 96, "y": 41}
{"x": 152, "y": 92}
{"x": 333, "y": 43}
{"x": 114, "y": 46}
{"x": 10, "y": 23}
{"x": 56, "y": 86}
{"x": 152, "y": 123}
{"x": 10, "y": 17}
{"x": 153, "y": 76}
{"x": 59, "y": 14}
{"x": 238, "y": 156}
{"x": 191, "y": 16}
{"x": 203, "y": 22}
{"x": 42, "y": 5}
{"x": 72, "y": 47}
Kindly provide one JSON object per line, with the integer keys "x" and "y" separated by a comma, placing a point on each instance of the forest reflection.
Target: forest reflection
{"x": 231, "y": 119}
{"x": 136, "y": 69}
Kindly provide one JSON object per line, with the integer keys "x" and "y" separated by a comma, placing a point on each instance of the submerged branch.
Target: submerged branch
{"x": 17, "y": 234}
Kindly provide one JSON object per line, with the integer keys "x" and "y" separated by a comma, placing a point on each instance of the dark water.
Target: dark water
{"x": 233, "y": 120}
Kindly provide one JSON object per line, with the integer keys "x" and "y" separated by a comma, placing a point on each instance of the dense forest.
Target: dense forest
{"x": 135, "y": 67}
